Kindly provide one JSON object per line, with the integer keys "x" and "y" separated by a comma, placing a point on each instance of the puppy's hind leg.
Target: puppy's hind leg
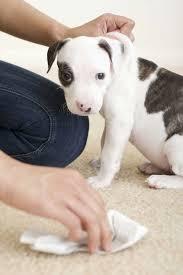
{"x": 165, "y": 182}
{"x": 148, "y": 168}
{"x": 173, "y": 149}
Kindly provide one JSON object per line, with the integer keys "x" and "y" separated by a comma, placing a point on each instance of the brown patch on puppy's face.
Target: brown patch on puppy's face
{"x": 65, "y": 74}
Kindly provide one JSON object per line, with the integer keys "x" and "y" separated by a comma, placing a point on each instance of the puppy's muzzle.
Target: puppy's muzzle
{"x": 83, "y": 107}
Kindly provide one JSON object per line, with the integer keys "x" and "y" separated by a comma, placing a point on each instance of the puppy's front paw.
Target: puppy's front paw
{"x": 97, "y": 183}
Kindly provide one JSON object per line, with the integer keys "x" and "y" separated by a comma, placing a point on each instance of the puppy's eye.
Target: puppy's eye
{"x": 100, "y": 76}
{"x": 66, "y": 76}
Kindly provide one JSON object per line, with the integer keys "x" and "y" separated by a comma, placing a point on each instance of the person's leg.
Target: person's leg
{"x": 35, "y": 124}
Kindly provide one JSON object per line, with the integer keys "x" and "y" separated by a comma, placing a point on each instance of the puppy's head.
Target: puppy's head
{"x": 85, "y": 68}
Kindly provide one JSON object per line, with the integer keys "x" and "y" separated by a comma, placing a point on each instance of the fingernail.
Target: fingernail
{"x": 108, "y": 247}
{"x": 93, "y": 250}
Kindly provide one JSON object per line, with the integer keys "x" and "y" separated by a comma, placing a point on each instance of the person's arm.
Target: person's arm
{"x": 60, "y": 194}
{"x": 20, "y": 19}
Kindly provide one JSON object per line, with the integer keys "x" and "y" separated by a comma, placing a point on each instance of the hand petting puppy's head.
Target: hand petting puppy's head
{"x": 85, "y": 70}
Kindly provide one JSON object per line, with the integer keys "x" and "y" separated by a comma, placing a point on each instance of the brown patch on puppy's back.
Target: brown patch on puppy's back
{"x": 165, "y": 94}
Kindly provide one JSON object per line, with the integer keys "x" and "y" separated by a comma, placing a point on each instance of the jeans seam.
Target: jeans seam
{"x": 52, "y": 125}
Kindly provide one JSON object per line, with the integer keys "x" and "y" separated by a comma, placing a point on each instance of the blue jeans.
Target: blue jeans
{"x": 35, "y": 124}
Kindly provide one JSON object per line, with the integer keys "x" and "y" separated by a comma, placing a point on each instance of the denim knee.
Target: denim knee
{"x": 66, "y": 141}
{"x": 35, "y": 124}
{"x": 24, "y": 123}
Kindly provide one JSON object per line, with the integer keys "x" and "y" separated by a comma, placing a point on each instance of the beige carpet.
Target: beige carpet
{"x": 159, "y": 253}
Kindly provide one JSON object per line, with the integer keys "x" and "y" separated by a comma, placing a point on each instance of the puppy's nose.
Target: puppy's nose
{"x": 83, "y": 107}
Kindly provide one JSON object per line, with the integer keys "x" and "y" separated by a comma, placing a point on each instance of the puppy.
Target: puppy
{"x": 140, "y": 102}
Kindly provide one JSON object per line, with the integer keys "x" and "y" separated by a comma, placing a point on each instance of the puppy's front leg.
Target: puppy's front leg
{"x": 95, "y": 163}
{"x": 117, "y": 133}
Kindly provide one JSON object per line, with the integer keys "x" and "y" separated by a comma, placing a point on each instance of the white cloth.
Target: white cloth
{"x": 126, "y": 233}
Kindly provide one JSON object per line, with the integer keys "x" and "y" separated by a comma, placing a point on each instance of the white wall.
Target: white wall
{"x": 158, "y": 31}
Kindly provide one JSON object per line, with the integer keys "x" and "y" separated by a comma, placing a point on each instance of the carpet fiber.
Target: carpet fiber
{"x": 159, "y": 253}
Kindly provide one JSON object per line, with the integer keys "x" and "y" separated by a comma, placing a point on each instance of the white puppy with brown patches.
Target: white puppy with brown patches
{"x": 139, "y": 101}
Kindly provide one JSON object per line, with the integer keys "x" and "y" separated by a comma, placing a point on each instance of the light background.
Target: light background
{"x": 159, "y": 36}
{"x": 158, "y": 31}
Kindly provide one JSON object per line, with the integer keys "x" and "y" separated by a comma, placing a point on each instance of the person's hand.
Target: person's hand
{"x": 102, "y": 25}
{"x": 60, "y": 194}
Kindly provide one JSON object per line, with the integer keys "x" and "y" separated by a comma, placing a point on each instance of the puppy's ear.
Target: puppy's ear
{"x": 126, "y": 49}
{"x": 53, "y": 50}
{"x": 103, "y": 44}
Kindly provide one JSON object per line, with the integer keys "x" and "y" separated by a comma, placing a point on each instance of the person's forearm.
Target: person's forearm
{"x": 20, "y": 19}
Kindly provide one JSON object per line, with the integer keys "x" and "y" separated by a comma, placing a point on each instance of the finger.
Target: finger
{"x": 69, "y": 220}
{"x": 105, "y": 232}
{"x": 91, "y": 198}
{"x": 127, "y": 28}
{"x": 102, "y": 217}
{"x": 93, "y": 237}
{"x": 90, "y": 223}
{"x": 101, "y": 214}
{"x": 121, "y": 21}
{"x": 91, "y": 192}
{"x": 94, "y": 194}
{"x": 88, "y": 199}
{"x": 106, "y": 236}
{"x": 80, "y": 185}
